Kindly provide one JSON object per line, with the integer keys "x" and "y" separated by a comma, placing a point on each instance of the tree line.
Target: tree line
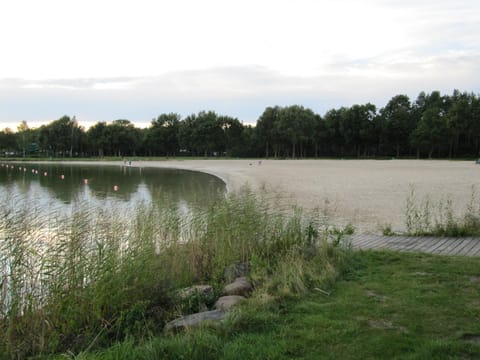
{"x": 433, "y": 125}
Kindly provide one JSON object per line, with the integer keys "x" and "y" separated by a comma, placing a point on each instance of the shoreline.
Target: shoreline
{"x": 368, "y": 194}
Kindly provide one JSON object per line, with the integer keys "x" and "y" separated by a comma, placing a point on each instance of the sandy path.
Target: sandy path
{"x": 366, "y": 193}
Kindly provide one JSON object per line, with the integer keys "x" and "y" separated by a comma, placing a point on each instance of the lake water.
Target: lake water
{"x": 55, "y": 187}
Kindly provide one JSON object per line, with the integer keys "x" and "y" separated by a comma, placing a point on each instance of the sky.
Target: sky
{"x": 102, "y": 60}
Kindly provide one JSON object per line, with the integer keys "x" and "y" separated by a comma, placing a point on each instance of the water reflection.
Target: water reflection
{"x": 106, "y": 186}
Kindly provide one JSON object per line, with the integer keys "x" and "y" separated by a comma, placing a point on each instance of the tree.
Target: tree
{"x": 431, "y": 131}
{"x": 61, "y": 136}
{"x": 398, "y": 123}
{"x": 8, "y": 142}
{"x": 202, "y": 134}
{"x": 319, "y": 134}
{"x": 162, "y": 136}
{"x": 97, "y": 138}
{"x": 356, "y": 127}
{"x": 333, "y": 124}
{"x": 24, "y": 136}
{"x": 232, "y": 133}
{"x": 265, "y": 128}
{"x": 295, "y": 127}
{"x": 123, "y": 137}
{"x": 459, "y": 118}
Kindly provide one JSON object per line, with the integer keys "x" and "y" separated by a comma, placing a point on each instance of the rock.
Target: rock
{"x": 241, "y": 286}
{"x": 193, "y": 320}
{"x": 235, "y": 271}
{"x": 226, "y": 302}
{"x": 203, "y": 291}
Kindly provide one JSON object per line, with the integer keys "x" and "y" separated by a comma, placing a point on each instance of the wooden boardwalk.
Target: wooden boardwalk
{"x": 467, "y": 246}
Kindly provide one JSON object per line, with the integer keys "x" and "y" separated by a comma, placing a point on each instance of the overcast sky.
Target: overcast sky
{"x": 102, "y": 60}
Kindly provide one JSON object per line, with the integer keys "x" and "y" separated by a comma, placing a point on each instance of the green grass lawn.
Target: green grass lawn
{"x": 387, "y": 306}
{"x": 393, "y": 306}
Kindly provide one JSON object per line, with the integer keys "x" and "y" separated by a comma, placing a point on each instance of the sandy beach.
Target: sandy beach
{"x": 365, "y": 193}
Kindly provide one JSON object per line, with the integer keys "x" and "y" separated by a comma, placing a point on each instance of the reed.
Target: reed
{"x": 91, "y": 278}
{"x": 424, "y": 217}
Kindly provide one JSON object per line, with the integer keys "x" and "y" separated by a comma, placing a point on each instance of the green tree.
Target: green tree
{"x": 202, "y": 134}
{"x": 459, "y": 119}
{"x": 431, "y": 131}
{"x": 61, "y": 137}
{"x": 265, "y": 129}
{"x": 319, "y": 134}
{"x": 333, "y": 127}
{"x": 296, "y": 127}
{"x": 123, "y": 137}
{"x": 8, "y": 143}
{"x": 232, "y": 134}
{"x": 399, "y": 123}
{"x": 162, "y": 136}
{"x": 98, "y": 140}
{"x": 24, "y": 135}
{"x": 356, "y": 127}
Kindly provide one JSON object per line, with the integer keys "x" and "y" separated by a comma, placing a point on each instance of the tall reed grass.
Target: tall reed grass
{"x": 425, "y": 217}
{"x": 88, "y": 279}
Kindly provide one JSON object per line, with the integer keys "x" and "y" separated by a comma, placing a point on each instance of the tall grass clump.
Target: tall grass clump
{"x": 425, "y": 217}
{"x": 86, "y": 280}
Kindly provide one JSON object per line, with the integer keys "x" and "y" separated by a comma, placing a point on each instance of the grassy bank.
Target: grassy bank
{"x": 86, "y": 280}
{"x": 387, "y": 306}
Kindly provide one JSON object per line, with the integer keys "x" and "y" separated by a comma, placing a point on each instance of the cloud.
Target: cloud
{"x": 240, "y": 91}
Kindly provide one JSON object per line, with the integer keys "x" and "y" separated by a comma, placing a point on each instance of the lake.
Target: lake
{"x": 59, "y": 187}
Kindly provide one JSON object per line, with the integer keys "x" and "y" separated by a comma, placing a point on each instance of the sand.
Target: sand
{"x": 366, "y": 193}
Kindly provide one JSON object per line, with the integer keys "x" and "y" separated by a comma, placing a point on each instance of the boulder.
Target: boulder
{"x": 235, "y": 271}
{"x": 189, "y": 321}
{"x": 226, "y": 302}
{"x": 241, "y": 286}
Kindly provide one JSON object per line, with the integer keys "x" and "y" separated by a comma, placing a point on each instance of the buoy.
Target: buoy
{"x": 33, "y": 171}
{"x": 24, "y": 169}
{"x": 36, "y": 172}
{"x": 62, "y": 177}
{"x": 85, "y": 181}
{"x": 115, "y": 187}
{"x": 45, "y": 173}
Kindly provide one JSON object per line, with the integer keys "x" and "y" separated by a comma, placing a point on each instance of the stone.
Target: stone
{"x": 241, "y": 286}
{"x": 203, "y": 291}
{"x": 235, "y": 271}
{"x": 225, "y": 303}
{"x": 189, "y": 321}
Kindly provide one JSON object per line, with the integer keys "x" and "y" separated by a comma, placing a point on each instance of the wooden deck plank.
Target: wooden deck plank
{"x": 466, "y": 245}
{"x": 434, "y": 245}
{"x": 439, "y": 244}
{"x": 468, "y": 249}
{"x": 456, "y": 246}
{"x": 476, "y": 249}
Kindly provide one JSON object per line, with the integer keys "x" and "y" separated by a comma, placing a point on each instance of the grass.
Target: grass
{"x": 424, "y": 217}
{"x": 386, "y": 306}
{"x": 87, "y": 280}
